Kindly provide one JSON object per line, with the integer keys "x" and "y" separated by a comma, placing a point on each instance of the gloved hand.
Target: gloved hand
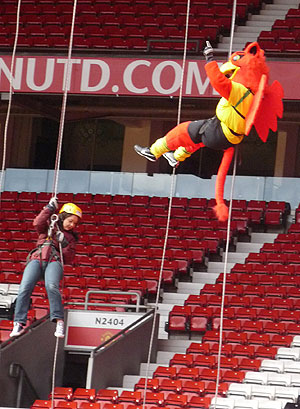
{"x": 60, "y": 237}
{"x": 208, "y": 52}
{"x": 52, "y": 205}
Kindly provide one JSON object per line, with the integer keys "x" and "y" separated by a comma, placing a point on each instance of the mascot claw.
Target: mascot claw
{"x": 221, "y": 211}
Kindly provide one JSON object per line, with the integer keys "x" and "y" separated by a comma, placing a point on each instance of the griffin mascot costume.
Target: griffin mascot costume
{"x": 247, "y": 100}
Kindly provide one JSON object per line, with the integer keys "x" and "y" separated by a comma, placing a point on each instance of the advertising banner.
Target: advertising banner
{"x": 124, "y": 76}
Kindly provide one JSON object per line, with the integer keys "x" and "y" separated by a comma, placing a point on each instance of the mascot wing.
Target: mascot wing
{"x": 266, "y": 107}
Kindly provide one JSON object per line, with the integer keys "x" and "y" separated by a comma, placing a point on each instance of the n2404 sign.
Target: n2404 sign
{"x": 88, "y": 329}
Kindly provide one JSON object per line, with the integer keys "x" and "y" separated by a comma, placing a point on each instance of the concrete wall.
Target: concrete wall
{"x": 245, "y": 187}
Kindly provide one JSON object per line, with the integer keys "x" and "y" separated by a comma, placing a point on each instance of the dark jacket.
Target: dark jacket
{"x": 41, "y": 223}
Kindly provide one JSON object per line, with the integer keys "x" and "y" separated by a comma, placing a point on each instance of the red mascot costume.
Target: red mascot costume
{"x": 247, "y": 100}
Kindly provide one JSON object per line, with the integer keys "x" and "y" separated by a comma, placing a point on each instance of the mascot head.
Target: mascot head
{"x": 247, "y": 67}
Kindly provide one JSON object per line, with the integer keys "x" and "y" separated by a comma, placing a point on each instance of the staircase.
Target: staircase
{"x": 168, "y": 347}
{"x": 257, "y": 23}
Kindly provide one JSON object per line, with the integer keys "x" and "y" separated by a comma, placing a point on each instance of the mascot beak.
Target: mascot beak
{"x": 229, "y": 69}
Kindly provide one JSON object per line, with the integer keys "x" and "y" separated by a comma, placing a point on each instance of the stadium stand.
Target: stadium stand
{"x": 122, "y": 236}
{"x": 258, "y": 331}
{"x": 135, "y": 27}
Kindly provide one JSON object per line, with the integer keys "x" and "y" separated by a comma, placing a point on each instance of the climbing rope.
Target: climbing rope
{"x": 233, "y": 18}
{"x": 66, "y": 86}
{"x": 53, "y": 372}
{"x": 173, "y": 177}
{"x": 228, "y": 232}
{"x": 53, "y": 224}
{"x": 12, "y": 66}
{"x": 224, "y": 274}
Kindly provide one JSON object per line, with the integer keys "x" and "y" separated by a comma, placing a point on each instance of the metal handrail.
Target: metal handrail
{"x": 17, "y": 371}
{"x": 122, "y": 332}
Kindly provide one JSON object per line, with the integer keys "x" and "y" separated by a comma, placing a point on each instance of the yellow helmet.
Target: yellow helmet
{"x": 72, "y": 209}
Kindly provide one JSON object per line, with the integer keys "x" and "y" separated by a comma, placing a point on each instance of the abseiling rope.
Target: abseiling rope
{"x": 169, "y": 207}
{"x": 12, "y": 66}
{"x": 66, "y": 86}
{"x": 224, "y": 276}
{"x": 228, "y": 231}
{"x": 233, "y": 18}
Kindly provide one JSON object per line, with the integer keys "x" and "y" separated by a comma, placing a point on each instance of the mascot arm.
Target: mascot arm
{"x": 218, "y": 80}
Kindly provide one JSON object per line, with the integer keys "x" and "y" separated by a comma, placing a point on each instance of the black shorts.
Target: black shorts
{"x": 210, "y": 133}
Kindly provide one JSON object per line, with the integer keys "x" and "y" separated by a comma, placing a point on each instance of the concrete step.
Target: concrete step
{"x": 263, "y": 237}
{"x": 243, "y": 37}
{"x": 130, "y": 380}
{"x": 163, "y": 309}
{"x": 189, "y": 288}
{"x": 163, "y": 357}
{"x": 275, "y": 6}
{"x": 218, "y": 267}
{"x": 235, "y": 257}
{"x": 275, "y": 13}
{"x": 262, "y": 18}
{"x": 145, "y": 369}
{"x": 175, "y": 298}
{"x": 245, "y": 29}
{"x": 261, "y": 24}
{"x": 203, "y": 278}
{"x": 173, "y": 345}
{"x": 290, "y": 3}
{"x": 248, "y": 247}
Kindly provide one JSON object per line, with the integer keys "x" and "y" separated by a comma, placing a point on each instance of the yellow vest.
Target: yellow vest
{"x": 232, "y": 112}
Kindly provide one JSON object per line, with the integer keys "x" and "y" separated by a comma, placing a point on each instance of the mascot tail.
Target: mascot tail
{"x": 221, "y": 209}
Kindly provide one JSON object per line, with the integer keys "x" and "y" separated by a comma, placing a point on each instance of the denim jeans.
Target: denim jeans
{"x": 52, "y": 274}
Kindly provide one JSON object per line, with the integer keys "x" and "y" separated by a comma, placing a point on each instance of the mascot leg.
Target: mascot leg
{"x": 221, "y": 209}
{"x": 177, "y": 140}
{"x": 159, "y": 147}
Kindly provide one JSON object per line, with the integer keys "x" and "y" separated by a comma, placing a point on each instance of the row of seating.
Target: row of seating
{"x": 115, "y": 9}
{"x": 140, "y": 200}
{"x": 36, "y": 18}
{"x": 195, "y": 403}
{"x": 283, "y": 36}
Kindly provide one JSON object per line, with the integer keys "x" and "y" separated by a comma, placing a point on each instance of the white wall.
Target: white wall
{"x": 245, "y": 187}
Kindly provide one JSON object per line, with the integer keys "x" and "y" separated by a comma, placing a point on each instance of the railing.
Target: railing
{"x": 17, "y": 371}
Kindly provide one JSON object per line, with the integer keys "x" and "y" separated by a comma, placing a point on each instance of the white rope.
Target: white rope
{"x": 12, "y": 66}
{"x": 228, "y": 230}
{"x": 224, "y": 275}
{"x": 159, "y": 284}
{"x": 183, "y": 60}
{"x": 53, "y": 372}
{"x": 232, "y": 26}
{"x": 169, "y": 208}
{"x": 66, "y": 86}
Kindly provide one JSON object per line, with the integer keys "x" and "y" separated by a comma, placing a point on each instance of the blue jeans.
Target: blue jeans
{"x": 34, "y": 271}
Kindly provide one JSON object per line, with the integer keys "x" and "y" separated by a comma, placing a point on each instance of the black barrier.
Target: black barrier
{"x": 123, "y": 353}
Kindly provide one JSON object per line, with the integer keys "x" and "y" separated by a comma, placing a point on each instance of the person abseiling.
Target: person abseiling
{"x": 44, "y": 262}
{"x": 247, "y": 100}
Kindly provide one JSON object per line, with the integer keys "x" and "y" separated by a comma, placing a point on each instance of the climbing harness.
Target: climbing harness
{"x": 53, "y": 221}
